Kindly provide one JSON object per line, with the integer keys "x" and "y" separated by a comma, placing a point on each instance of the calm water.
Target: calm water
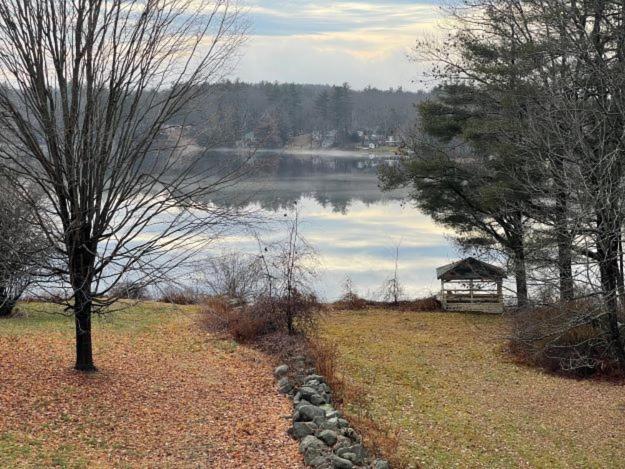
{"x": 352, "y": 225}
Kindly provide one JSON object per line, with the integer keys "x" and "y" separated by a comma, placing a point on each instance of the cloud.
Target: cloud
{"x": 333, "y": 42}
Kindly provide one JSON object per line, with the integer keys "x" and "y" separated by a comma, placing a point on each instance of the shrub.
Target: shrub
{"x": 235, "y": 276}
{"x": 130, "y": 291}
{"x": 178, "y": 295}
{"x": 265, "y": 316}
{"x": 564, "y": 337}
{"x": 351, "y": 302}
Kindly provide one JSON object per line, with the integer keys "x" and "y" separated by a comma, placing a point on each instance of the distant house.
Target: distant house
{"x": 471, "y": 285}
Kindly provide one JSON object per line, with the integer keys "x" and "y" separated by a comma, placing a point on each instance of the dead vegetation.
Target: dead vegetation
{"x": 165, "y": 396}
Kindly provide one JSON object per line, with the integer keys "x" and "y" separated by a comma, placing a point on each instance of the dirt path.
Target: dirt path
{"x": 166, "y": 395}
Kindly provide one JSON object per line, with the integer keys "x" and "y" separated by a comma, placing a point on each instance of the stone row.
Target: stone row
{"x": 326, "y": 439}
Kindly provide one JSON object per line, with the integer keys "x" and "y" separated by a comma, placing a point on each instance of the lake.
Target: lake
{"x": 353, "y": 226}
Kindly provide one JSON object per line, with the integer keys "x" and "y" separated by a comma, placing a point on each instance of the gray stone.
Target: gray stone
{"x": 328, "y": 437}
{"x": 312, "y": 448}
{"x": 301, "y": 403}
{"x": 343, "y": 423}
{"x": 322, "y": 462}
{"x": 307, "y": 413}
{"x": 350, "y": 433}
{"x": 354, "y": 453}
{"x": 312, "y": 396}
{"x": 313, "y": 377}
{"x": 320, "y": 420}
{"x": 284, "y": 385}
{"x": 333, "y": 414}
{"x": 381, "y": 464}
{"x": 281, "y": 370}
{"x": 342, "y": 442}
{"x": 330, "y": 424}
{"x": 299, "y": 430}
{"x": 340, "y": 463}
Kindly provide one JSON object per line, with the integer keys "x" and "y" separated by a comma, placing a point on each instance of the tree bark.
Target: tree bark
{"x": 520, "y": 272}
{"x": 82, "y": 315}
{"x": 607, "y": 248}
{"x": 563, "y": 237}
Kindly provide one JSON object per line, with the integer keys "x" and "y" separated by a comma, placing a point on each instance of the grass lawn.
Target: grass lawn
{"x": 166, "y": 395}
{"x": 445, "y": 381}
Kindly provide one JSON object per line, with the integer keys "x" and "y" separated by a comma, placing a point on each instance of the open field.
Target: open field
{"x": 446, "y": 382}
{"x": 166, "y": 395}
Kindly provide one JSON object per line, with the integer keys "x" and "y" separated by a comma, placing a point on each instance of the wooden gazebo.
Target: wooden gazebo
{"x": 471, "y": 285}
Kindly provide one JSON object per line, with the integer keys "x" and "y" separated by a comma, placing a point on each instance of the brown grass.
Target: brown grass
{"x": 444, "y": 384}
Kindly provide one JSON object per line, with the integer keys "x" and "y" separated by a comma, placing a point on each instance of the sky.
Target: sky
{"x": 321, "y": 41}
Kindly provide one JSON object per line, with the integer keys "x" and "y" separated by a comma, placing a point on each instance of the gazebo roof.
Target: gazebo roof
{"x": 470, "y": 269}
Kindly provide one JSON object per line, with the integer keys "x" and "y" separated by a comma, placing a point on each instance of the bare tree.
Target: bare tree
{"x": 288, "y": 267}
{"x": 90, "y": 91}
{"x": 23, "y": 248}
{"x": 234, "y": 275}
{"x": 392, "y": 290}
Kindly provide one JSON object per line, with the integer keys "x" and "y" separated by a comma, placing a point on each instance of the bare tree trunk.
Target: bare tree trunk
{"x": 621, "y": 277}
{"x": 84, "y": 350}
{"x": 6, "y": 304}
{"x": 521, "y": 276}
{"x": 607, "y": 249}
{"x": 563, "y": 237}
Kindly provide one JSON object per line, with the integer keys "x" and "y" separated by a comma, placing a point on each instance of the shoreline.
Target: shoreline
{"x": 332, "y": 153}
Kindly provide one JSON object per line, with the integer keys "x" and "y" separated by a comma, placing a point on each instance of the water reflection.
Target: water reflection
{"x": 351, "y": 223}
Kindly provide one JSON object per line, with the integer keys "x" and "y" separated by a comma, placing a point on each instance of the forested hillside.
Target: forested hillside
{"x": 273, "y": 115}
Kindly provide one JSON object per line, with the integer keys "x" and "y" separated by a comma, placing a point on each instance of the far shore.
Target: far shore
{"x": 384, "y": 152}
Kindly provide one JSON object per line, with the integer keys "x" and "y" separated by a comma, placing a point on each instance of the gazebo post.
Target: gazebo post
{"x": 471, "y": 290}
{"x": 500, "y": 289}
{"x": 443, "y": 296}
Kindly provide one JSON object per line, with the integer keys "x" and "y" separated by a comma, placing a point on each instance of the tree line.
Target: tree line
{"x": 275, "y": 112}
{"x": 521, "y": 150}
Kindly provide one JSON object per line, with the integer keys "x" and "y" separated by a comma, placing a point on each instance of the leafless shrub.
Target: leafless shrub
{"x": 234, "y": 275}
{"x": 392, "y": 289}
{"x": 567, "y": 337}
{"x": 288, "y": 271}
{"x": 130, "y": 291}
{"x": 350, "y": 300}
{"x": 178, "y": 295}
{"x": 23, "y": 248}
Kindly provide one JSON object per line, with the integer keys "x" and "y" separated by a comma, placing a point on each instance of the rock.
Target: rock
{"x": 340, "y": 463}
{"x": 284, "y": 385}
{"x": 342, "y": 442}
{"x": 322, "y": 462}
{"x": 320, "y": 420}
{"x": 354, "y": 453}
{"x": 350, "y": 433}
{"x": 330, "y": 424}
{"x": 352, "y": 458}
{"x": 281, "y": 371}
{"x": 381, "y": 464}
{"x": 312, "y": 448}
{"x": 328, "y": 437}
{"x": 307, "y": 413}
{"x": 333, "y": 414}
{"x": 299, "y": 430}
{"x": 313, "y": 377}
{"x": 311, "y": 395}
{"x": 301, "y": 403}
{"x": 343, "y": 423}
{"x": 327, "y": 407}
